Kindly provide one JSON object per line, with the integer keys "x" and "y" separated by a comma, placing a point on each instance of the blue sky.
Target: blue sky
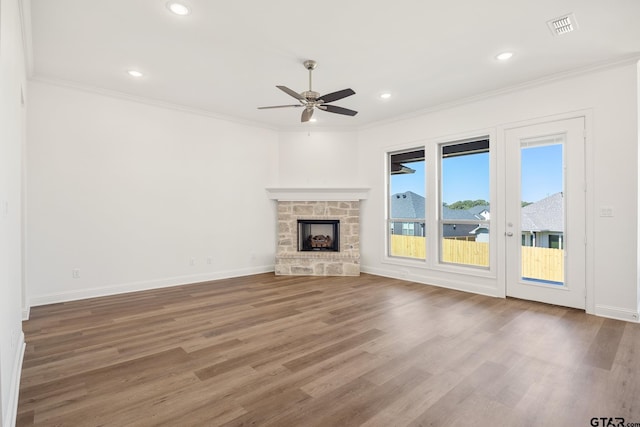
{"x": 467, "y": 177}
{"x": 541, "y": 172}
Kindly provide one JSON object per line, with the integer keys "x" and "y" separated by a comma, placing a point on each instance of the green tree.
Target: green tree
{"x": 467, "y": 204}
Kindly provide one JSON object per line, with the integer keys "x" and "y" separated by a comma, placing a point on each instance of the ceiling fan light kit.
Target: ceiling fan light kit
{"x": 311, "y": 100}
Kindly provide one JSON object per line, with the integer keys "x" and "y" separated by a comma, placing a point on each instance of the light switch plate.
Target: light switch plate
{"x": 606, "y": 211}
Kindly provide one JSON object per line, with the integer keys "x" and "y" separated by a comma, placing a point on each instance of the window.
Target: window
{"x": 406, "y": 209}
{"x": 464, "y": 222}
{"x": 407, "y": 229}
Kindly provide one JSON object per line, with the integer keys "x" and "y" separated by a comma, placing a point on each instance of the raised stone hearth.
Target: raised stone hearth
{"x": 289, "y": 259}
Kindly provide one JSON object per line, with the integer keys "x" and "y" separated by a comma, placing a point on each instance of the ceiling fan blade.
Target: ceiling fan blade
{"x": 291, "y": 92}
{"x": 338, "y": 110}
{"x": 306, "y": 115}
{"x": 334, "y": 96}
{"x": 280, "y": 106}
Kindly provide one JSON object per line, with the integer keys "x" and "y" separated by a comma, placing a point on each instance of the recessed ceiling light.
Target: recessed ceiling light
{"x": 134, "y": 73}
{"x": 385, "y": 95}
{"x": 313, "y": 120}
{"x": 504, "y": 56}
{"x": 178, "y": 8}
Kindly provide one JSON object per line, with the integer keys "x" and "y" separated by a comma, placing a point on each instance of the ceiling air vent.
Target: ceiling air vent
{"x": 563, "y": 25}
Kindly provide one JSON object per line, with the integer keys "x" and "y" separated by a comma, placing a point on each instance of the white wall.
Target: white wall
{"x": 12, "y": 80}
{"x": 610, "y": 95}
{"x": 128, "y": 193}
{"x": 318, "y": 159}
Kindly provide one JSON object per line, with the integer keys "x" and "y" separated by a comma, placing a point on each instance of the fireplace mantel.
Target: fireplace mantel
{"x": 298, "y": 194}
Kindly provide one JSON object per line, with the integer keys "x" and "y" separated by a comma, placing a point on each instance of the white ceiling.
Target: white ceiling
{"x": 226, "y": 57}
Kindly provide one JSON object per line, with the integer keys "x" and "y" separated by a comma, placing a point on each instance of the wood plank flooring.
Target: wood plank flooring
{"x": 312, "y": 351}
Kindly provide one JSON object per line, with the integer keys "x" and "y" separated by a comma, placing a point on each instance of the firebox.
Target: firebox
{"x": 319, "y": 235}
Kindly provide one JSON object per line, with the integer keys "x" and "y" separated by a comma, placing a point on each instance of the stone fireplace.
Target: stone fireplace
{"x": 318, "y": 231}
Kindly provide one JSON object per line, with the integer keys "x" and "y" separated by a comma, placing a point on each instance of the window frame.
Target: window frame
{"x": 474, "y": 145}
{"x": 419, "y": 151}
{"x": 431, "y": 267}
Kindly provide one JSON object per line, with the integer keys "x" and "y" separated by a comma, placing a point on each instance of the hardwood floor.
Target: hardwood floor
{"x": 311, "y": 351}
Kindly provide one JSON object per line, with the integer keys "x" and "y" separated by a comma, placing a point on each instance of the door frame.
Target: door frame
{"x": 500, "y": 225}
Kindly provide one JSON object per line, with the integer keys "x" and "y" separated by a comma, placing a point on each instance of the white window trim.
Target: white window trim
{"x": 432, "y": 187}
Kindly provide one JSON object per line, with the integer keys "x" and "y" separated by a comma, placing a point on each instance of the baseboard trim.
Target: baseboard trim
{"x": 26, "y": 312}
{"x": 617, "y": 313}
{"x": 145, "y": 285}
{"x": 14, "y": 391}
{"x": 439, "y": 282}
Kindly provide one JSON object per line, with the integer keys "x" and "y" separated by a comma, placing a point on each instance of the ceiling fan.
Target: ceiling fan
{"x": 311, "y": 100}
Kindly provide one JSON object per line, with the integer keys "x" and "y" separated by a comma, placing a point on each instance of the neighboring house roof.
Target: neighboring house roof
{"x": 448, "y": 213}
{"x": 407, "y": 205}
{"x": 473, "y": 213}
{"x": 458, "y": 230}
{"x": 412, "y": 205}
{"x": 544, "y": 215}
{"x": 480, "y": 211}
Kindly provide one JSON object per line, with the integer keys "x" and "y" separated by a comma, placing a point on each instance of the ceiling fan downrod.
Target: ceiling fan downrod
{"x": 310, "y": 65}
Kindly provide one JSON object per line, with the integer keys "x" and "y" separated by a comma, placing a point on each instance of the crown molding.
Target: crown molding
{"x": 563, "y": 75}
{"x": 148, "y": 101}
{"x": 24, "y": 7}
{"x": 301, "y": 128}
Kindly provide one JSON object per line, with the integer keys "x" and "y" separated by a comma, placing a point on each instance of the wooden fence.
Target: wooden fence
{"x": 543, "y": 263}
{"x": 537, "y": 263}
{"x": 408, "y": 246}
{"x": 465, "y": 252}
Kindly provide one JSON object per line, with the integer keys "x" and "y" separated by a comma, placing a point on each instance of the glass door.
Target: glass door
{"x": 545, "y": 213}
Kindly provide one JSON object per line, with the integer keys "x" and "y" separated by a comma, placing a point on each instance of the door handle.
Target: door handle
{"x": 509, "y": 233}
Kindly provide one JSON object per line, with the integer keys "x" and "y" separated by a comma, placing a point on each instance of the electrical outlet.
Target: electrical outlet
{"x": 209, "y": 260}
{"x": 75, "y": 273}
{"x": 192, "y": 261}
